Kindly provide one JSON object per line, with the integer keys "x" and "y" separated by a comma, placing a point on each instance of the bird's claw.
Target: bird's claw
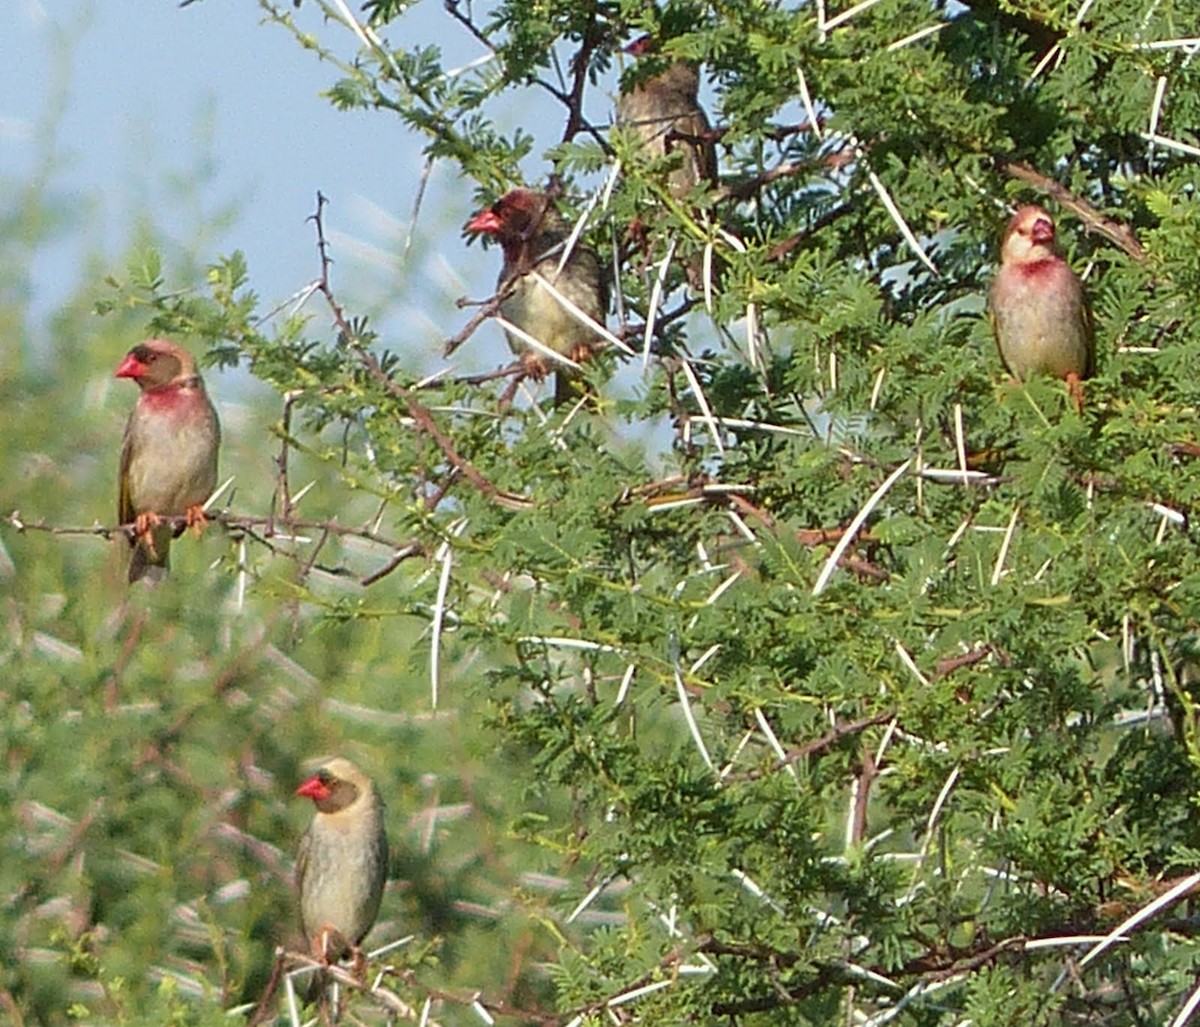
{"x": 143, "y": 528}
{"x": 534, "y": 365}
{"x": 327, "y": 944}
{"x": 360, "y": 964}
{"x": 196, "y": 519}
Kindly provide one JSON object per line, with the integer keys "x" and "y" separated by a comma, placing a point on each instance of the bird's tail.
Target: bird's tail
{"x": 150, "y": 556}
{"x": 569, "y": 390}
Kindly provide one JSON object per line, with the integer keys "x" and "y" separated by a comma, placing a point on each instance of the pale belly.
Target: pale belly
{"x": 172, "y": 470}
{"x": 1040, "y": 335}
{"x": 535, "y": 309}
{"x": 339, "y": 890}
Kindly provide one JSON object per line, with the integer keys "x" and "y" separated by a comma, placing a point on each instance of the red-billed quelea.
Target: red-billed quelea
{"x": 1042, "y": 321}
{"x": 532, "y": 236}
{"x": 664, "y": 111}
{"x": 169, "y": 456}
{"x": 342, "y": 862}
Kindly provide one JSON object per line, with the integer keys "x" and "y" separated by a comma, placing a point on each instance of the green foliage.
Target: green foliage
{"x": 680, "y": 764}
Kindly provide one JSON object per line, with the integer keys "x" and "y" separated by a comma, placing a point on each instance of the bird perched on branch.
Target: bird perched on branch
{"x": 559, "y": 309}
{"x": 1040, "y": 317}
{"x": 169, "y": 456}
{"x": 664, "y": 110}
{"x": 342, "y": 862}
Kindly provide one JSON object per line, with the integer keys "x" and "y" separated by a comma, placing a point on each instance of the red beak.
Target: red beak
{"x": 130, "y": 367}
{"x": 640, "y": 46}
{"x": 1042, "y": 231}
{"x": 313, "y": 789}
{"x": 486, "y": 221}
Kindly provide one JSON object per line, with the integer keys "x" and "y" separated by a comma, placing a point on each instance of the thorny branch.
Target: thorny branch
{"x": 817, "y": 745}
{"x": 572, "y": 100}
{"x": 938, "y": 963}
{"x": 580, "y": 62}
{"x": 283, "y": 495}
{"x": 249, "y": 525}
{"x": 419, "y": 413}
{"x": 234, "y": 522}
{"x": 487, "y": 309}
{"x": 933, "y": 967}
{"x": 373, "y": 988}
{"x": 1115, "y": 231}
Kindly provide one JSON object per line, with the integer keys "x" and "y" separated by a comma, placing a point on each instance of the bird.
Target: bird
{"x": 1040, "y": 316}
{"x": 533, "y": 236}
{"x": 663, "y": 110}
{"x": 168, "y": 462}
{"x": 341, "y": 864}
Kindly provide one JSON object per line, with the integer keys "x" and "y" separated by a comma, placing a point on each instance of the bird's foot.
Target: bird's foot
{"x": 1075, "y": 389}
{"x": 534, "y": 365}
{"x": 143, "y": 527}
{"x": 327, "y": 944}
{"x": 196, "y": 519}
{"x": 581, "y": 353}
{"x": 360, "y": 964}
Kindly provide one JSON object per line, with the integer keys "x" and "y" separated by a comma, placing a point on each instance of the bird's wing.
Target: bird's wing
{"x": 302, "y": 859}
{"x": 125, "y": 511}
{"x": 991, "y": 316}
{"x": 1089, "y": 334}
{"x": 696, "y": 124}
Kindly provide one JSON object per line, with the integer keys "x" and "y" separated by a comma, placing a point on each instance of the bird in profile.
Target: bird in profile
{"x": 341, "y": 865}
{"x": 1040, "y": 317}
{"x": 663, "y": 111}
{"x": 169, "y": 456}
{"x": 536, "y": 294}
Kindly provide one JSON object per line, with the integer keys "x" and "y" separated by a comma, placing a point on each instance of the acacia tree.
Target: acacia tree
{"x": 822, "y": 673}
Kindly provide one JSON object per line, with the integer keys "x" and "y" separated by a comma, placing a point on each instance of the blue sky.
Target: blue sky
{"x": 154, "y": 97}
{"x": 191, "y": 113}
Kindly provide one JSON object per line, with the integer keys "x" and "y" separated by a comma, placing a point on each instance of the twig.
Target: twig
{"x": 826, "y": 741}
{"x": 569, "y": 100}
{"x": 416, "y": 410}
{"x": 283, "y": 491}
{"x": 247, "y": 524}
{"x": 262, "y": 1011}
{"x": 861, "y": 798}
{"x": 953, "y": 663}
{"x": 228, "y": 520}
{"x": 592, "y": 35}
{"x": 487, "y": 309}
{"x": 788, "y": 169}
{"x": 400, "y": 556}
{"x": 1115, "y": 231}
{"x": 783, "y": 248}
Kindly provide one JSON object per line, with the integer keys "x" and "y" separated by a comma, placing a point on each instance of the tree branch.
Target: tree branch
{"x": 817, "y": 745}
{"x": 1115, "y": 231}
{"x": 416, "y": 410}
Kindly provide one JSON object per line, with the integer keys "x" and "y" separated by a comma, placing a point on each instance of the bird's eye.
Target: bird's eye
{"x": 326, "y": 778}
